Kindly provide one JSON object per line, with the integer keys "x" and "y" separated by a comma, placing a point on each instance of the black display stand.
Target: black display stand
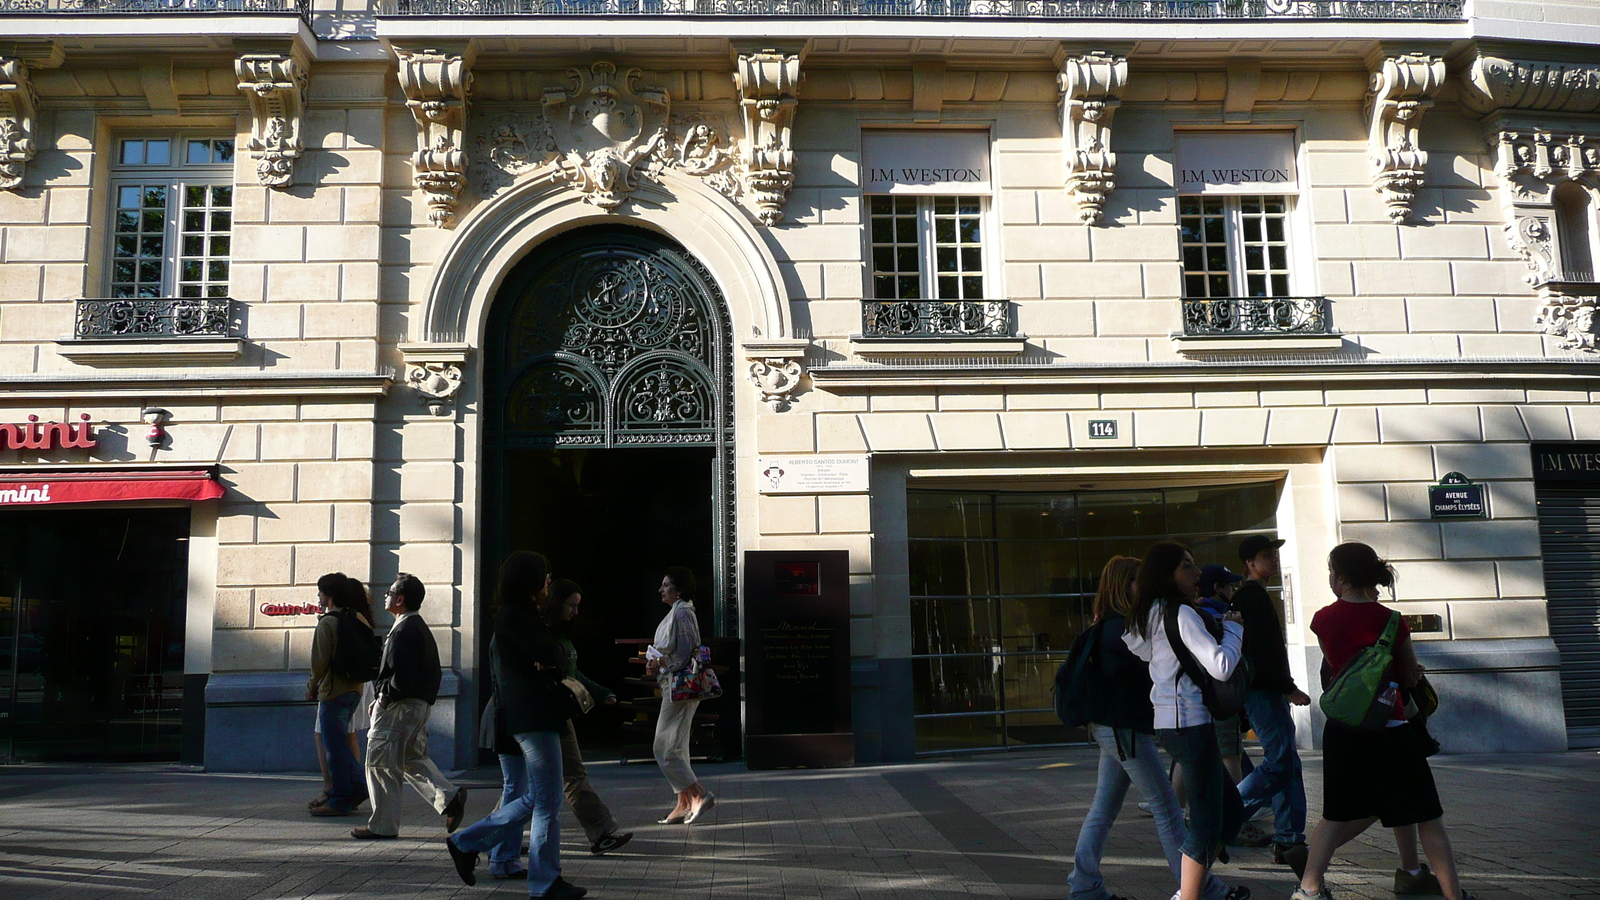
{"x": 797, "y": 659}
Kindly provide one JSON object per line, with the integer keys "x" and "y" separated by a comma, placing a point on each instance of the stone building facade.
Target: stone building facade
{"x": 1199, "y": 269}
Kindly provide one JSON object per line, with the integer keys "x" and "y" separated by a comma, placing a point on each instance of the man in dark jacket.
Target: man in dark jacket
{"x": 1277, "y": 781}
{"x": 397, "y": 747}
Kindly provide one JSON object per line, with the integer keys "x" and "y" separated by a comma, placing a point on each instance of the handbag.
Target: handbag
{"x": 1360, "y": 696}
{"x": 697, "y": 680}
{"x": 1425, "y": 697}
{"x": 1223, "y": 698}
{"x": 580, "y": 694}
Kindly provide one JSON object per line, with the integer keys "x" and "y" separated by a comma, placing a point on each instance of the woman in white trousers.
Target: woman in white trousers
{"x": 676, "y": 640}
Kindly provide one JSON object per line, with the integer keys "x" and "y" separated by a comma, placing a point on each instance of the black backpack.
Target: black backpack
{"x": 1079, "y": 693}
{"x": 357, "y": 653}
{"x": 1225, "y": 699}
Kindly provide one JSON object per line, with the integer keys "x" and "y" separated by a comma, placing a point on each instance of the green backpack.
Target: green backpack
{"x": 1357, "y": 697}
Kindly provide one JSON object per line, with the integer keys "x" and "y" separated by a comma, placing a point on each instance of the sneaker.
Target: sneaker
{"x": 454, "y": 810}
{"x": 564, "y": 890}
{"x": 465, "y": 860}
{"x": 1424, "y": 882}
{"x": 1251, "y": 836}
{"x": 1321, "y": 893}
{"x": 1293, "y": 856}
{"x": 610, "y": 841}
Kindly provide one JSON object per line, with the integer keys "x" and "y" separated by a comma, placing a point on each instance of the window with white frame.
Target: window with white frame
{"x": 1235, "y": 246}
{"x": 1577, "y": 240}
{"x": 172, "y": 216}
{"x": 927, "y": 247}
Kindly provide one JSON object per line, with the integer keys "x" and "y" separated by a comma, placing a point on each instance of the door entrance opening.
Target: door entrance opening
{"x": 92, "y": 610}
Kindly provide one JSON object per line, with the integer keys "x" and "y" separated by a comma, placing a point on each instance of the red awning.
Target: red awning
{"x": 21, "y": 489}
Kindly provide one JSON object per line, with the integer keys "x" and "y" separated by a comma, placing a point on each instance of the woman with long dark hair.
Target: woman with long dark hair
{"x": 1168, "y": 577}
{"x": 525, "y": 658}
{"x": 1381, "y": 775}
{"x": 671, "y": 651}
{"x": 1123, "y": 726}
{"x": 346, "y": 603}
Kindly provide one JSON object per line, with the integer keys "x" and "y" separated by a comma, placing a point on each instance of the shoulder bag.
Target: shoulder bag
{"x": 696, "y": 681}
{"x": 1358, "y": 697}
{"x": 1224, "y": 699}
{"x": 1078, "y": 688}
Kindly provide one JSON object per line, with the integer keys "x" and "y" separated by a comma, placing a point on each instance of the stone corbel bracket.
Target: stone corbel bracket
{"x": 1402, "y": 89}
{"x": 767, "y": 81}
{"x": 274, "y": 84}
{"x": 438, "y": 84}
{"x": 19, "y": 105}
{"x": 777, "y": 369}
{"x": 434, "y": 372}
{"x": 1091, "y": 90}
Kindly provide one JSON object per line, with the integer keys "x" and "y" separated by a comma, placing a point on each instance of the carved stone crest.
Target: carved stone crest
{"x": 436, "y": 383}
{"x": 778, "y": 378}
{"x": 604, "y": 124}
{"x": 1571, "y": 317}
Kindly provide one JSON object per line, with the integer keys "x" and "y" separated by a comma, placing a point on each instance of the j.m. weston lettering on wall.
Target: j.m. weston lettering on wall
{"x": 37, "y": 435}
{"x": 925, "y": 162}
{"x": 1236, "y": 162}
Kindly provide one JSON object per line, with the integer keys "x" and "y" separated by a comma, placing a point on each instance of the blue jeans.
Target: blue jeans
{"x": 1127, "y": 757}
{"x": 538, "y": 800}
{"x": 1278, "y": 780}
{"x": 1215, "y": 813}
{"x": 349, "y": 781}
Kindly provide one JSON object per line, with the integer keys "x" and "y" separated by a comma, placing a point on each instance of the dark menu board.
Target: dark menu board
{"x": 797, "y": 658}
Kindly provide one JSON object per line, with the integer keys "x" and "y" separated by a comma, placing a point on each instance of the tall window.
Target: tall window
{"x": 927, "y": 247}
{"x": 1235, "y": 246}
{"x": 172, "y": 218}
{"x": 1575, "y": 229}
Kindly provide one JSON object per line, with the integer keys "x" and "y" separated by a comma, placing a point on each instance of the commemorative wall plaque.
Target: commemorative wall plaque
{"x": 797, "y": 659}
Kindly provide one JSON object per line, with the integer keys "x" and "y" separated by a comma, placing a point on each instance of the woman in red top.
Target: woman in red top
{"x": 1371, "y": 776}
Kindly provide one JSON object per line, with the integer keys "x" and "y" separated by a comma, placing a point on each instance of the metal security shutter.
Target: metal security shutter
{"x": 1569, "y": 534}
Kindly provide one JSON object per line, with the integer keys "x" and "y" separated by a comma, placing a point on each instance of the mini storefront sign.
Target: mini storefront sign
{"x": 291, "y": 609}
{"x": 37, "y": 435}
{"x": 813, "y": 475}
{"x": 925, "y": 162}
{"x": 1239, "y": 162}
{"x": 110, "y": 485}
{"x": 1573, "y": 463}
{"x": 1454, "y": 497}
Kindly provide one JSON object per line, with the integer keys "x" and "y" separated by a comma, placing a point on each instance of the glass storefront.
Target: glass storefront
{"x": 1002, "y": 582}
{"x": 92, "y": 610}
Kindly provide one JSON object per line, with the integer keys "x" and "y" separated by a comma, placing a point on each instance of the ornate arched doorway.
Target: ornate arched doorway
{"x": 608, "y": 426}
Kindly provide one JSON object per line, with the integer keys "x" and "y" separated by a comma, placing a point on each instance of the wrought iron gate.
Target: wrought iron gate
{"x": 618, "y": 338}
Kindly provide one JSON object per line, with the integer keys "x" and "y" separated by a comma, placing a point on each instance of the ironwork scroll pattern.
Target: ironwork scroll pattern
{"x": 1413, "y": 10}
{"x": 155, "y": 318}
{"x": 935, "y": 318}
{"x": 1255, "y": 315}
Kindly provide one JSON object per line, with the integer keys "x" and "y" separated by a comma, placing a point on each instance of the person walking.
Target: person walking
{"x": 671, "y": 651}
{"x": 565, "y": 599}
{"x": 1278, "y": 782}
{"x": 1168, "y": 577}
{"x": 405, "y": 689}
{"x": 1123, "y": 726}
{"x": 349, "y": 613}
{"x": 526, "y": 662}
{"x": 1377, "y": 775}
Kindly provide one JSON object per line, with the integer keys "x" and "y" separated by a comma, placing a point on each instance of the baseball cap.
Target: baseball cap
{"x": 1255, "y": 543}
{"x": 1214, "y": 576}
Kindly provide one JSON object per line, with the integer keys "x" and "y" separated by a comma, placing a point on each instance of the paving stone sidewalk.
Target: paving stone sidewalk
{"x": 998, "y": 826}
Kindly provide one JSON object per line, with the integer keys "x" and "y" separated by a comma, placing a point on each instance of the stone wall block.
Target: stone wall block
{"x": 1167, "y": 428}
{"x": 789, "y": 432}
{"x": 1233, "y": 427}
{"x": 1396, "y": 541}
{"x": 312, "y": 561}
{"x": 844, "y": 514}
{"x": 897, "y": 431}
{"x": 1491, "y": 539}
{"x": 1585, "y": 422}
{"x": 1362, "y": 503}
{"x": 1383, "y": 463}
{"x": 967, "y": 431}
{"x": 840, "y": 433}
{"x": 352, "y": 522}
{"x": 1309, "y": 425}
{"x": 261, "y": 483}
{"x": 421, "y": 440}
{"x": 296, "y": 440}
{"x": 252, "y": 565}
{"x": 1427, "y": 424}
{"x": 787, "y": 515}
{"x": 1499, "y": 619}
{"x": 335, "y": 481}
{"x": 428, "y": 523}
{"x": 1502, "y": 423}
{"x": 1547, "y": 423}
{"x": 288, "y": 523}
{"x": 1481, "y": 462}
{"x": 1036, "y": 430}
{"x": 248, "y": 650}
{"x": 1447, "y": 580}
{"x": 1520, "y": 577}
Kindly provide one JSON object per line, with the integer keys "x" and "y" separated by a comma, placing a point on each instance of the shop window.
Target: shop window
{"x": 927, "y": 247}
{"x": 1575, "y": 230}
{"x": 1235, "y": 246}
{"x": 172, "y": 217}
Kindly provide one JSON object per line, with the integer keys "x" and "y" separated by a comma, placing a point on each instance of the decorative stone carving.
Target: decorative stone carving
{"x": 436, "y": 383}
{"x": 766, "y": 81}
{"x": 274, "y": 85}
{"x": 1091, "y": 90}
{"x": 437, "y": 85}
{"x": 1402, "y": 90}
{"x": 604, "y": 125}
{"x": 778, "y": 379}
{"x": 1492, "y": 83}
{"x": 18, "y": 105}
{"x": 1571, "y": 316}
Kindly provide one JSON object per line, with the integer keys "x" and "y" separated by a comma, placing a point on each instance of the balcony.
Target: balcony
{"x": 301, "y": 8}
{"x": 1162, "y": 10}
{"x": 155, "y": 331}
{"x": 936, "y": 328}
{"x": 1254, "y": 324}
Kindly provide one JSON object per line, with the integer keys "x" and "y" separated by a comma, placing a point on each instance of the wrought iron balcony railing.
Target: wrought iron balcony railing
{"x": 1417, "y": 10}
{"x": 935, "y": 319}
{"x": 1255, "y": 316}
{"x": 302, "y": 8}
{"x": 163, "y": 318}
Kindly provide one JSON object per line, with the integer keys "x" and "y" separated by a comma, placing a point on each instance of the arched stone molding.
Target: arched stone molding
{"x": 494, "y": 237}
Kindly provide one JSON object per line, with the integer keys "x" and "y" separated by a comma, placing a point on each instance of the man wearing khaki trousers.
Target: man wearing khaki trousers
{"x": 397, "y": 747}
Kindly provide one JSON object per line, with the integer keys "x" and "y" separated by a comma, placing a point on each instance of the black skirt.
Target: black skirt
{"x": 1381, "y": 775}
